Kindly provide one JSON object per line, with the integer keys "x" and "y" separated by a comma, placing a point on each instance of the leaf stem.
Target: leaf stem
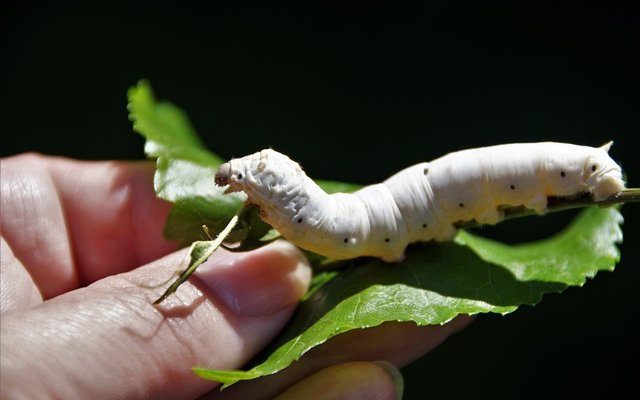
{"x": 630, "y": 195}
{"x": 212, "y": 245}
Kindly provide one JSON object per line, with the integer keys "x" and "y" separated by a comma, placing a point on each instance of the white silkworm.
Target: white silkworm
{"x": 421, "y": 202}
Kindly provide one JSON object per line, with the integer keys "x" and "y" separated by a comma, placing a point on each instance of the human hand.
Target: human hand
{"x": 81, "y": 243}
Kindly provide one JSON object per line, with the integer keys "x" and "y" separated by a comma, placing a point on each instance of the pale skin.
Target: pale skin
{"x": 81, "y": 244}
{"x": 420, "y": 203}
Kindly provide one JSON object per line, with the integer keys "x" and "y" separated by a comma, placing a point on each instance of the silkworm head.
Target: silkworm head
{"x": 223, "y": 174}
{"x": 604, "y": 175}
{"x": 231, "y": 174}
{"x": 263, "y": 176}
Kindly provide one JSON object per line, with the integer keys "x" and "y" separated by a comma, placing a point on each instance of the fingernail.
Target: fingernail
{"x": 258, "y": 282}
{"x": 395, "y": 375}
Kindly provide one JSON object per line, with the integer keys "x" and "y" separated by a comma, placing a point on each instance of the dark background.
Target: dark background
{"x": 355, "y": 92}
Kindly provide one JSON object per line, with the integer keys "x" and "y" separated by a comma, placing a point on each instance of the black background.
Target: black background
{"x": 355, "y": 92}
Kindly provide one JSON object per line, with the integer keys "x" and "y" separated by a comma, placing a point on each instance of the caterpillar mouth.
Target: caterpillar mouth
{"x": 608, "y": 188}
{"x": 605, "y": 184}
{"x": 223, "y": 174}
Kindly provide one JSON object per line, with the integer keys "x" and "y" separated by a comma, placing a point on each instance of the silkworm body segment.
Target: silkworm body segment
{"x": 421, "y": 202}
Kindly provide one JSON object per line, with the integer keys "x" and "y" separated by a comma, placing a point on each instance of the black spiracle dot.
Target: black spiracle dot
{"x": 299, "y": 220}
{"x": 425, "y": 171}
{"x": 594, "y": 168}
{"x": 513, "y": 187}
{"x": 562, "y": 174}
{"x": 424, "y": 225}
{"x": 346, "y": 240}
{"x": 461, "y": 205}
{"x": 386, "y": 240}
{"x": 239, "y": 176}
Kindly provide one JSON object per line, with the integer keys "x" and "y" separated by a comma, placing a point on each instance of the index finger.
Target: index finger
{"x": 73, "y": 222}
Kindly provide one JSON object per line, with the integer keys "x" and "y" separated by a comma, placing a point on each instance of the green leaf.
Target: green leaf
{"x": 335, "y": 187}
{"x": 197, "y": 200}
{"x": 184, "y": 168}
{"x": 437, "y": 282}
{"x": 570, "y": 257}
{"x": 166, "y": 127}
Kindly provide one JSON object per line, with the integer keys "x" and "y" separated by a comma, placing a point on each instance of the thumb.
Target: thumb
{"x": 107, "y": 340}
